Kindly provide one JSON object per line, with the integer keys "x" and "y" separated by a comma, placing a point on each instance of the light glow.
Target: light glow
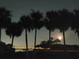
{"x": 60, "y": 37}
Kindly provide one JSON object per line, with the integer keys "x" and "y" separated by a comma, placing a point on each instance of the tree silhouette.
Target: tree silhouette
{"x": 63, "y": 22}
{"x": 37, "y": 22}
{"x": 4, "y": 18}
{"x": 14, "y": 29}
{"x": 5, "y": 49}
{"x": 50, "y": 21}
{"x": 57, "y": 40}
{"x": 48, "y": 43}
{"x": 27, "y": 25}
{"x": 75, "y": 22}
{"x": 45, "y": 44}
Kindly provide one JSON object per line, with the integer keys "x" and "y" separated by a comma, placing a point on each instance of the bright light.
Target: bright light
{"x": 60, "y": 37}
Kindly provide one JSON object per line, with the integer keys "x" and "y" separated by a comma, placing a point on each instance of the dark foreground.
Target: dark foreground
{"x": 55, "y": 52}
{"x": 42, "y": 55}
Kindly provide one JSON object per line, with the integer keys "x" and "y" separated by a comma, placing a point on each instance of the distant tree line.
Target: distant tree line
{"x": 61, "y": 19}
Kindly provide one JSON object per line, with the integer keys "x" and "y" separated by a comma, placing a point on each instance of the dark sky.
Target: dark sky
{"x": 21, "y": 7}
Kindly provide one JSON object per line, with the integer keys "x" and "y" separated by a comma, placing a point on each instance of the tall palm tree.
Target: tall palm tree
{"x": 37, "y": 22}
{"x": 27, "y": 25}
{"x": 4, "y": 18}
{"x": 75, "y": 22}
{"x": 63, "y": 22}
{"x": 50, "y": 21}
{"x": 14, "y": 29}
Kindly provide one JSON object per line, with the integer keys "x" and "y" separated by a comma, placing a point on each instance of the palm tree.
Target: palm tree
{"x": 27, "y": 25}
{"x": 63, "y": 22}
{"x": 14, "y": 29}
{"x": 50, "y": 21}
{"x": 37, "y": 23}
{"x": 75, "y": 22}
{"x": 4, "y": 18}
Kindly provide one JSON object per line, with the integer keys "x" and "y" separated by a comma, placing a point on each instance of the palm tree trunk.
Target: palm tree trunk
{"x": 64, "y": 38}
{"x": 35, "y": 38}
{"x": 49, "y": 34}
{"x": 0, "y": 34}
{"x": 26, "y": 39}
{"x": 64, "y": 41}
{"x": 12, "y": 40}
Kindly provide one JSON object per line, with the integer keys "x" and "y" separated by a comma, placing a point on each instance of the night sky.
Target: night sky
{"x": 22, "y": 7}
